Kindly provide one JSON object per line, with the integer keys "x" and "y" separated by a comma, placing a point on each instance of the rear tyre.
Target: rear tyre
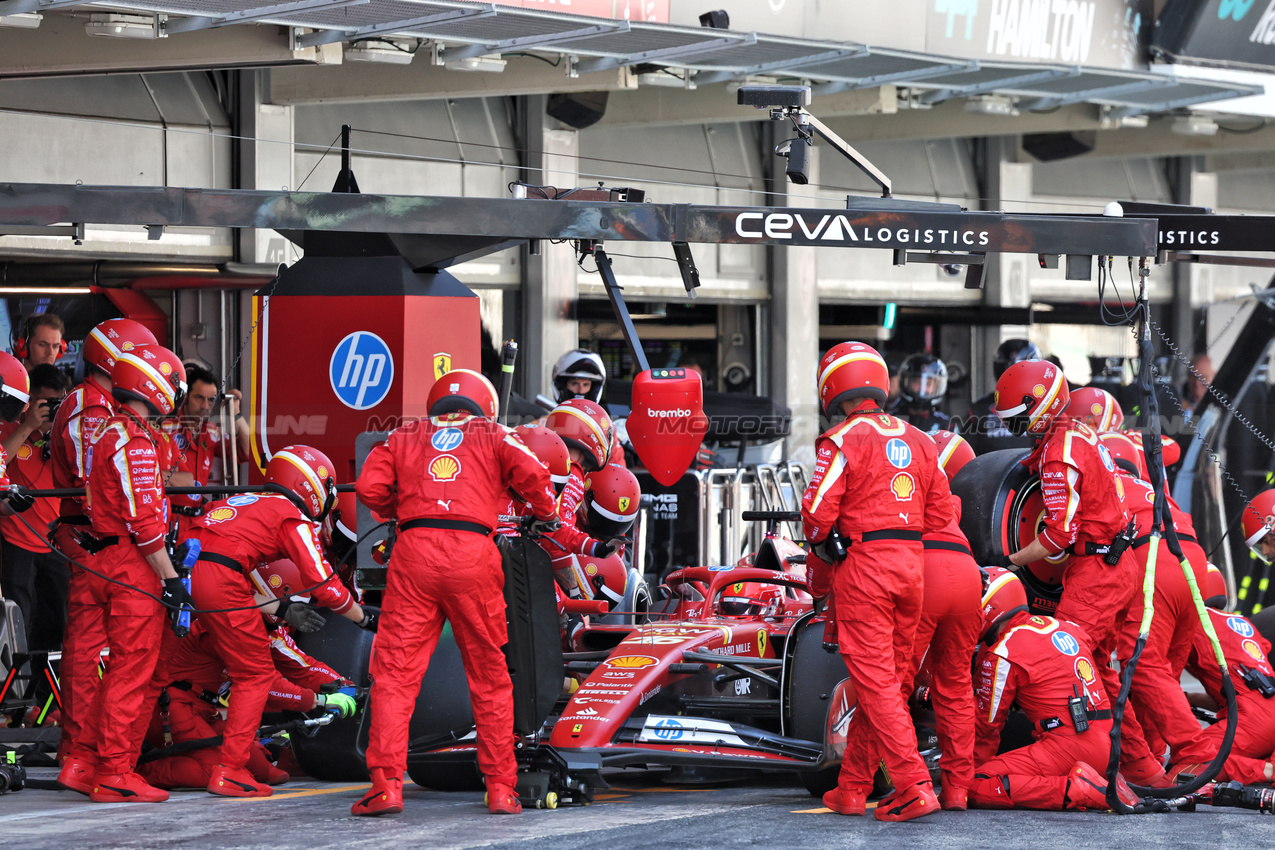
{"x": 812, "y": 676}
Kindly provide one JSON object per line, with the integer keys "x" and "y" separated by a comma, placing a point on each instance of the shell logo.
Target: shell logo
{"x": 24, "y": 452}
{"x": 1084, "y": 670}
{"x": 1096, "y": 409}
{"x": 275, "y": 582}
{"x": 1039, "y": 391}
{"x": 323, "y": 472}
{"x": 903, "y": 486}
{"x": 591, "y": 569}
{"x": 1254, "y": 651}
{"x": 631, "y": 662}
{"x": 220, "y": 515}
{"x": 166, "y": 368}
{"x": 444, "y": 468}
{"x": 128, "y": 346}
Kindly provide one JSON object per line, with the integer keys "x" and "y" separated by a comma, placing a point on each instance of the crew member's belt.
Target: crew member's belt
{"x": 1051, "y": 723}
{"x": 947, "y": 547}
{"x": 228, "y": 563}
{"x": 1088, "y": 548}
{"x": 445, "y": 525}
{"x": 1139, "y": 542}
{"x": 891, "y": 534}
{"x": 188, "y": 510}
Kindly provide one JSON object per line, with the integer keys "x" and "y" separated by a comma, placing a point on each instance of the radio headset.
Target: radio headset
{"x": 21, "y": 343}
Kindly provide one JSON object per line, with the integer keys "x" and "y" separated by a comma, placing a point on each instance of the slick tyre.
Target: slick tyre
{"x": 335, "y": 753}
{"x": 810, "y": 677}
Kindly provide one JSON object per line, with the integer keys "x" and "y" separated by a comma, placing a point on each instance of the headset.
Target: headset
{"x": 21, "y": 342}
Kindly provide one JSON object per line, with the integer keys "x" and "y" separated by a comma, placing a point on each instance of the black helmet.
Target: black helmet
{"x": 922, "y": 380}
{"x": 1012, "y": 351}
{"x": 579, "y": 363}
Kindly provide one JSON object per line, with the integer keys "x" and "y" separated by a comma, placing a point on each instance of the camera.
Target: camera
{"x": 13, "y": 776}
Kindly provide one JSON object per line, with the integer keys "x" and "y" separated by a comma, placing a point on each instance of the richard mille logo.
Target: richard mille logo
{"x": 838, "y": 228}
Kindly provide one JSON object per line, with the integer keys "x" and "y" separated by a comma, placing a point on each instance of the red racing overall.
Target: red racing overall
{"x": 1157, "y": 694}
{"x": 1242, "y": 646}
{"x": 877, "y": 480}
{"x": 131, "y": 516}
{"x": 445, "y": 478}
{"x": 71, "y": 439}
{"x": 1085, "y": 509}
{"x": 951, "y": 621}
{"x": 235, "y": 535}
{"x": 1037, "y": 663}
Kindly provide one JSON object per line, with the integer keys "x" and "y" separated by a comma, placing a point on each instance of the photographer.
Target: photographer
{"x": 33, "y": 576}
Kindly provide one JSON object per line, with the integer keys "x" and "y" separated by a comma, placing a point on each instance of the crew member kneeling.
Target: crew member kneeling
{"x": 444, "y": 478}
{"x": 1046, "y": 667}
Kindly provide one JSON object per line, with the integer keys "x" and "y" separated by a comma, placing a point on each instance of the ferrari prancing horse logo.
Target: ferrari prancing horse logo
{"x": 442, "y": 364}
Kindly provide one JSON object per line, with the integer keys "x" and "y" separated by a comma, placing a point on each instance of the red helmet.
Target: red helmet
{"x": 585, "y": 426}
{"x": 601, "y": 578}
{"x": 15, "y": 388}
{"x": 109, "y": 339}
{"x": 954, "y": 452}
{"x": 1124, "y": 449}
{"x": 307, "y": 476}
{"x": 549, "y": 450}
{"x": 1170, "y": 451}
{"x": 752, "y": 599}
{"x": 340, "y": 527}
{"x": 1004, "y": 593}
{"x": 1258, "y": 519}
{"x": 1214, "y": 589}
{"x": 851, "y": 370}
{"x": 278, "y": 579}
{"x": 152, "y": 375}
{"x": 463, "y": 389}
{"x": 611, "y": 498}
{"x": 1097, "y": 408}
{"x": 1030, "y": 396}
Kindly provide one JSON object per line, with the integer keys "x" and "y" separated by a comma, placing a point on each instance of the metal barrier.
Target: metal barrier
{"x": 726, "y": 493}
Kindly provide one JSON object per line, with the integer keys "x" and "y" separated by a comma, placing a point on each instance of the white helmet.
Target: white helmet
{"x": 579, "y": 363}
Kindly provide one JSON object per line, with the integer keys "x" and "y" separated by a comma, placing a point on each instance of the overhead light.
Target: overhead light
{"x": 385, "y": 51}
{"x": 1125, "y": 122}
{"x": 992, "y": 104}
{"x": 23, "y": 20}
{"x": 1194, "y": 125}
{"x": 491, "y": 62}
{"x": 122, "y": 26}
{"x": 46, "y": 290}
{"x": 664, "y": 80}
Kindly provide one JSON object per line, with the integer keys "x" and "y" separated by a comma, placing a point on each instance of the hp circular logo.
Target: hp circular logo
{"x": 1240, "y": 626}
{"x": 899, "y": 453}
{"x": 668, "y": 729}
{"x": 362, "y": 370}
{"x": 1065, "y": 643}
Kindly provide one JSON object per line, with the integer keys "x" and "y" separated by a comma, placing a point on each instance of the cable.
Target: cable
{"x": 319, "y": 162}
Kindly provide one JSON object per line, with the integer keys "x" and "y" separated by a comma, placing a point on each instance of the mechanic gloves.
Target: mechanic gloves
{"x": 302, "y": 617}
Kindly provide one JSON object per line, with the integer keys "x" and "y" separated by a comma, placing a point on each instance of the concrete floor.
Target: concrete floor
{"x": 638, "y": 812}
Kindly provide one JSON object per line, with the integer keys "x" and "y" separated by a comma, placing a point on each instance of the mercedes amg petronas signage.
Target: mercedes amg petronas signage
{"x": 1230, "y": 33}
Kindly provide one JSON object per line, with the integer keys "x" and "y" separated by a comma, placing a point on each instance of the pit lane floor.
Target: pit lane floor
{"x": 638, "y": 812}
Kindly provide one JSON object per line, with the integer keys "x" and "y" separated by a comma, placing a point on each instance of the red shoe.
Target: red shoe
{"x": 125, "y": 788}
{"x": 1087, "y": 789}
{"x": 503, "y": 800}
{"x": 846, "y": 802}
{"x": 953, "y": 798}
{"x": 909, "y": 804}
{"x": 1146, "y": 772}
{"x": 77, "y": 774}
{"x": 385, "y": 797}
{"x": 235, "y": 782}
{"x": 1182, "y": 773}
{"x": 277, "y": 776}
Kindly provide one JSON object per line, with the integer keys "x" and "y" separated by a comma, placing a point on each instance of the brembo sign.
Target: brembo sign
{"x": 815, "y": 228}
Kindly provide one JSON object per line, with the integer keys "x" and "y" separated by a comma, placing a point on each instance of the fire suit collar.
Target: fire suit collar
{"x": 998, "y": 625}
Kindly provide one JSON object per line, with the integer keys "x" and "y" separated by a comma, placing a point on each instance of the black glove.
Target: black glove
{"x": 175, "y": 596}
{"x": 17, "y": 501}
{"x": 604, "y": 548}
{"x": 371, "y": 618}
{"x": 545, "y": 526}
{"x": 302, "y": 617}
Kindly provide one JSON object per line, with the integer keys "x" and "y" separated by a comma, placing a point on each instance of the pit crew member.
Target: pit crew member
{"x": 1045, "y": 666}
{"x": 922, "y": 385}
{"x": 129, "y": 522}
{"x": 877, "y": 483}
{"x": 235, "y": 535}
{"x": 1085, "y": 515}
{"x": 444, "y": 478}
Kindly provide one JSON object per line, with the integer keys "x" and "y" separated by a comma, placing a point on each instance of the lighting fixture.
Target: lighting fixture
{"x": 121, "y": 26}
{"x": 22, "y": 20}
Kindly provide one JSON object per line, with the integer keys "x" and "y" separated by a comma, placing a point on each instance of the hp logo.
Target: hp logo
{"x": 899, "y": 453}
{"x": 668, "y": 729}
{"x": 447, "y": 439}
{"x": 1065, "y": 643}
{"x": 361, "y": 370}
